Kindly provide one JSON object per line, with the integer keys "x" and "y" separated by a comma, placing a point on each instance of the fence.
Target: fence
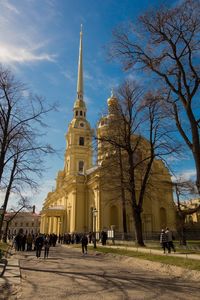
{"x": 190, "y": 234}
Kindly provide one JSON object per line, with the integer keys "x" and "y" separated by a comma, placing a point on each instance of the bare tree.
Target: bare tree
{"x": 21, "y": 149}
{"x": 166, "y": 42}
{"x": 182, "y": 189}
{"x": 23, "y": 203}
{"x": 132, "y": 114}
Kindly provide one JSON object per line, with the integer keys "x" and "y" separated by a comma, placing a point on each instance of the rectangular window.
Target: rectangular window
{"x": 81, "y": 166}
{"x": 81, "y": 141}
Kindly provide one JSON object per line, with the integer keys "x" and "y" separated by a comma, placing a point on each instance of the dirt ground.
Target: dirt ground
{"x": 66, "y": 274}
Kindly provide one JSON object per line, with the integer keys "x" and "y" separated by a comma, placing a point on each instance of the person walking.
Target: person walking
{"x": 84, "y": 243}
{"x": 104, "y": 237}
{"x": 29, "y": 242}
{"x": 169, "y": 236}
{"x": 38, "y": 245}
{"x": 163, "y": 240}
{"x": 46, "y": 246}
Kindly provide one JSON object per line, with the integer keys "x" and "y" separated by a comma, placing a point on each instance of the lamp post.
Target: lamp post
{"x": 59, "y": 228}
{"x": 94, "y": 225}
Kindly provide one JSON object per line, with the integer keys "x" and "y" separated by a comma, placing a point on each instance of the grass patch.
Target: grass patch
{"x": 190, "y": 248}
{"x": 184, "y": 262}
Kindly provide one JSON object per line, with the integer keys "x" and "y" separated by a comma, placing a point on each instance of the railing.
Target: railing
{"x": 190, "y": 234}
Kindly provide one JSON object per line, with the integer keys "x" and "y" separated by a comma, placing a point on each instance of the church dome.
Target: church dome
{"x": 113, "y": 105}
{"x": 112, "y": 101}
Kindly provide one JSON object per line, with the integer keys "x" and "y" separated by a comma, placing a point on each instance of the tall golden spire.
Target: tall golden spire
{"x": 79, "y": 105}
{"x": 80, "y": 69}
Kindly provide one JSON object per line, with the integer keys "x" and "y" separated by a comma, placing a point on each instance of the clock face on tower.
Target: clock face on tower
{"x": 81, "y": 124}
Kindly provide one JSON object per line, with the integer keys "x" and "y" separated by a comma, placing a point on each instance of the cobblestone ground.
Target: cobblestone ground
{"x": 66, "y": 274}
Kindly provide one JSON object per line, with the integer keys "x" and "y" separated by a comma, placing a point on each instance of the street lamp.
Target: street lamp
{"x": 94, "y": 225}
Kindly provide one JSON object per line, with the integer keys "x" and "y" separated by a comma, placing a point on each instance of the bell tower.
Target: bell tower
{"x": 78, "y": 155}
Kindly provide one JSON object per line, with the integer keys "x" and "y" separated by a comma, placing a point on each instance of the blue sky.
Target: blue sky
{"x": 39, "y": 41}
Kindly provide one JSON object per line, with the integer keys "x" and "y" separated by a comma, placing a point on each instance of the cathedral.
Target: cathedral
{"x": 80, "y": 201}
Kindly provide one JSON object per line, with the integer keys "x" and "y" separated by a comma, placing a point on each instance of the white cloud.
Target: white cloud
{"x": 10, "y": 7}
{"x": 36, "y": 198}
{"x": 10, "y": 53}
{"x": 22, "y": 34}
{"x": 185, "y": 175}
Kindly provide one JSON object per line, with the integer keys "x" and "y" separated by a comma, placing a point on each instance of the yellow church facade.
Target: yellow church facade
{"x": 80, "y": 202}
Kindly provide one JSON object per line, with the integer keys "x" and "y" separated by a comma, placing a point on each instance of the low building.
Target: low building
{"x": 27, "y": 221}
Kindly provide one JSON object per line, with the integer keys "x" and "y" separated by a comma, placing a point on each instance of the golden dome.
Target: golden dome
{"x": 112, "y": 101}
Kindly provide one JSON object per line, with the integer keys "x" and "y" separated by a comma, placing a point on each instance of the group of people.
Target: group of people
{"x": 36, "y": 242}
{"x": 43, "y": 241}
{"x": 166, "y": 240}
{"x": 76, "y": 238}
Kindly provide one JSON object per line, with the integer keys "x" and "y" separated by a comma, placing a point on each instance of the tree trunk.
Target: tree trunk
{"x": 124, "y": 214}
{"x": 183, "y": 236}
{"x": 138, "y": 227}
{"x": 1, "y": 222}
{"x": 123, "y": 196}
{"x": 8, "y": 190}
{"x": 182, "y": 229}
{"x": 6, "y": 232}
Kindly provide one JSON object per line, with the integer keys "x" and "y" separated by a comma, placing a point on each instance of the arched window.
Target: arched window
{"x": 76, "y": 112}
{"x": 81, "y": 166}
{"x": 81, "y": 113}
{"x": 81, "y": 141}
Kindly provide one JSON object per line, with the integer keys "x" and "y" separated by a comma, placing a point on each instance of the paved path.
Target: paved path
{"x": 69, "y": 275}
{"x": 11, "y": 280}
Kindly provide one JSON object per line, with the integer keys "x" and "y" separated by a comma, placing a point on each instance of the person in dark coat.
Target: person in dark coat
{"x": 29, "y": 242}
{"x": 84, "y": 243}
{"x": 170, "y": 237}
{"x": 46, "y": 246}
{"x": 104, "y": 237}
{"x": 163, "y": 240}
{"x": 38, "y": 245}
